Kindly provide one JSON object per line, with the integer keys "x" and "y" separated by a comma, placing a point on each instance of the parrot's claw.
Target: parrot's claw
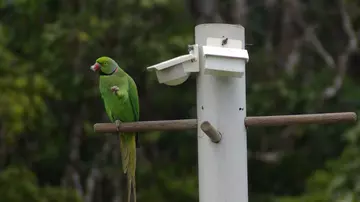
{"x": 118, "y": 123}
{"x": 115, "y": 89}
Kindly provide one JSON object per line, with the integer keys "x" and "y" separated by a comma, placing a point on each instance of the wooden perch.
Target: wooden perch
{"x": 142, "y": 126}
{"x": 279, "y": 120}
{"x": 211, "y": 132}
{"x": 185, "y": 124}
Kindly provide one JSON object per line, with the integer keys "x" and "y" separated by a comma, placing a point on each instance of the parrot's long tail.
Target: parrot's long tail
{"x": 128, "y": 157}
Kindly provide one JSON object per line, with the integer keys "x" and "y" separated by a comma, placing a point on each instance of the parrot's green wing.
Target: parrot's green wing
{"x": 134, "y": 101}
{"x": 133, "y": 98}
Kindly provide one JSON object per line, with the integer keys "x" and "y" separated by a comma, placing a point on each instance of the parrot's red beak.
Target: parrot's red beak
{"x": 95, "y": 67}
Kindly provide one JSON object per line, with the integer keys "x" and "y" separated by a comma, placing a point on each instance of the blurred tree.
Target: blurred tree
{"x": 19, "y": 184}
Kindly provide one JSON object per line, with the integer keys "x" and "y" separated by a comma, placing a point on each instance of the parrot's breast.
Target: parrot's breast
{"x": 116, "y": 108}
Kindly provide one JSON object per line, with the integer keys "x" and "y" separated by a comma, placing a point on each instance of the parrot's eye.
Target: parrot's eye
{"x": 105, "y": 63}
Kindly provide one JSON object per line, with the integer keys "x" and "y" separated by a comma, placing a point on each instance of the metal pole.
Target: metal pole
{"x": 222, "y": 102}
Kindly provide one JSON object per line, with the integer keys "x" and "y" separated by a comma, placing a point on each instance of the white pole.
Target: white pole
{"x": 222, "y": 102}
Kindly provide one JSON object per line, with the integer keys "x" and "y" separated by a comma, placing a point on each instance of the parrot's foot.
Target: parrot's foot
{"x": 115, "y": 89}
{"x": 118, "y": 123}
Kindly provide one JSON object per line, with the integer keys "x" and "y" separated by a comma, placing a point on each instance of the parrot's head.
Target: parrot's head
{"x": 104, "y": 65}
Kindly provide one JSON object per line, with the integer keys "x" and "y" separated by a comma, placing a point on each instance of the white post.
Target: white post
{"x": 221, "y": 100}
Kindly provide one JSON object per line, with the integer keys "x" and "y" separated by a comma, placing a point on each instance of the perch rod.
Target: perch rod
{"x": 172, "y": 125}
{"x": 211, "y": 132}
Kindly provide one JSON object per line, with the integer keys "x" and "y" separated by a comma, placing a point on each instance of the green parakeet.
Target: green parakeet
{"x": 119, "y": 93}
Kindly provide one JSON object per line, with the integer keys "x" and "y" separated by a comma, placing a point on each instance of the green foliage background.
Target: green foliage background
{"x": 49, "y": 99}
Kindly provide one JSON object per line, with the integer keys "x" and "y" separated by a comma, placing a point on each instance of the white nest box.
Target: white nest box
{"x": 177, "y": 70}
{"x": 224, "y": 57}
